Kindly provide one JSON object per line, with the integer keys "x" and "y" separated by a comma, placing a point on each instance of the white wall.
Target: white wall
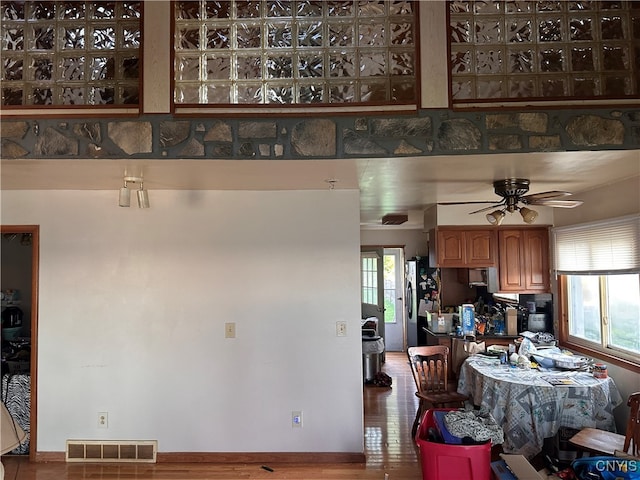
{"x": 414, "y": 241}
{"x": 132, "y": 306}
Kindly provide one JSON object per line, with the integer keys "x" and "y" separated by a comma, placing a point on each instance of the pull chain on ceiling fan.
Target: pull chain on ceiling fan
{"x": 512, "y": 191}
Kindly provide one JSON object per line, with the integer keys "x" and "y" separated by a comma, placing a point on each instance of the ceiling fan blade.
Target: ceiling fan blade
{"x": 543, "y": 195}
{"x": 465, "y": 203}
{"x": 558, "y": 203}
{"x": 491, "y": 207}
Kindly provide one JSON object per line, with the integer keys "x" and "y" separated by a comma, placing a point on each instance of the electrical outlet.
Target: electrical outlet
{"x": 230, "y": 330}
{"x": 341, "y": 329}
{"x": 103, "y": 419}
{"x": 296, "y": 419}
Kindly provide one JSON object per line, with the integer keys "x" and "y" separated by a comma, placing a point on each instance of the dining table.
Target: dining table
{"x": 533, "y": 404}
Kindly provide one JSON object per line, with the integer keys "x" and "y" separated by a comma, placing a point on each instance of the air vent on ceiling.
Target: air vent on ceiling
{"x": 394, "y": 219}
{"x": 142, "y": 451}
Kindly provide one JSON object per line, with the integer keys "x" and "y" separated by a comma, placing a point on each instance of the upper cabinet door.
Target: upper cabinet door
{"x": 450, "y": 247}
{"x": 459, "y": 248}
{"x": 480, "y": 245}
{"x": 536, "y": 250}
{"x": 524, "y": 260}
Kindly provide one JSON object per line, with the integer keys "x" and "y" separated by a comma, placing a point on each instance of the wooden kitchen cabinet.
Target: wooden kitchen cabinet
{"x": 463, "y": 247}
{"x": 524, "y": 260}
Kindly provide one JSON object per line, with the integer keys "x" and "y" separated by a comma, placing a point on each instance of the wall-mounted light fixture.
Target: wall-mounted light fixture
{"x": 124, "y": 199}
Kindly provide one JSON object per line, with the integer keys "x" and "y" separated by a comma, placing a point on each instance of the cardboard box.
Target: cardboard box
{"x": 512, "y": 321}
{"x": 518, "y": 467}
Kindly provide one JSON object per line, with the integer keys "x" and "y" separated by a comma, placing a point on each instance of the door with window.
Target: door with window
{"x": 372, "y": 286}
{"x": 393, "y": 300}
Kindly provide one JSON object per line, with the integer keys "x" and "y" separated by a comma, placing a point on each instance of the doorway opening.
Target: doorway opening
{"x": 394, "y": 321}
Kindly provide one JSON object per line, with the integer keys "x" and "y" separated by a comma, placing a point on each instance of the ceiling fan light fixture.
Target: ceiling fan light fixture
{"x": 124, "y": 199}
{"x": 528, "y": 215}
{"x": 496, "y": 217}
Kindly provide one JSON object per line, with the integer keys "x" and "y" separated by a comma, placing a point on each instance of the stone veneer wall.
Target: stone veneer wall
{"x": 429, "y": 132}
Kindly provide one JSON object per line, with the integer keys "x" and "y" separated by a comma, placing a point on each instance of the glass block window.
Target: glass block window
{"x": 544, "y": 49}
{"x": 70, "y": 53}
{"x": 295, "y": 52}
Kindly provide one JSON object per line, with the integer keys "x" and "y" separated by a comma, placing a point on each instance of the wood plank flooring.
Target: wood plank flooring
{"x": 388, "y": 447}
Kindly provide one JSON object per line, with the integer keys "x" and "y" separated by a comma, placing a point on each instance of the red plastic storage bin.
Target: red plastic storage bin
{"x": 441, "y": 461}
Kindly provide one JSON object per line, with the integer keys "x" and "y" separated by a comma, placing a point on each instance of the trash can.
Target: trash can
{"x": 372, "y": 348}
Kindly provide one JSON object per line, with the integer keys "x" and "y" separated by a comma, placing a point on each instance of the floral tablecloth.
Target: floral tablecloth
{"x": 530, "y": 408}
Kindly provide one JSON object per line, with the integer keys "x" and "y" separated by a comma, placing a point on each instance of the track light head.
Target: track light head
{"x": 496, "y": 217}
{"x": 124, "y": 199}
{"x": 528, "y": 215}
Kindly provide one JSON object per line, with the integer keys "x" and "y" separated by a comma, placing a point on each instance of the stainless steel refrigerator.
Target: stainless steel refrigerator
{"x": 421, "y": 283}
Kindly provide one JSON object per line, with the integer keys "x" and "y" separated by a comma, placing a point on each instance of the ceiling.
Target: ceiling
{"x": 405, "y": 185}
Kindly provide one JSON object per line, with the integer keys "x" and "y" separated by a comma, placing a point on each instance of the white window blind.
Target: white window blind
{"x": 598, "y": 248}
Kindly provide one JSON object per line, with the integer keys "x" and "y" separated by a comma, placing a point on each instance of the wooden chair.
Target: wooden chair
{"x": 429, "y": 368}
{"x": 601, "y": 442}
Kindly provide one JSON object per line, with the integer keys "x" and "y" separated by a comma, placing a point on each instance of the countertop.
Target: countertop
{"x": 478, "y": 337}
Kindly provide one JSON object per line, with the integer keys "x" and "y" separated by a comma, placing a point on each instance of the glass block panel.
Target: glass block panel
{"x": 401, "y": 34}
{"x": 373, "y": 92}
{"x": 12, "y": 68}
{"x": 520, "y": 31}
{"x": 521, "y": 61}
{"x": 309, "y": 8}
{"x": 279, "y": 67}
{"x": 616, "y": 85}
{"x": 486, "y": 7}
{"x": 611, "y": 28}
{"x": 488, "y": 61}
{"x": 42, "y": 10}
{"x": 611, "y": 5}
{"x": 130, "y": 67}
{"x": 279, "y": 9}
{"x": 43, "y": 37}
{"x": 340, "y": 9}
{"x": 219, "y": 68}
{"x": 553, "y": 87}
{"x": 217, "y": 9}
{"x": 279, "y": 35}
{"x": 488, "y": 31}
{"x": 12, "y": 38}
{"x": 73, "y": 96}
{"x": 460, "y": 6}
{"x": 461, "y": 62}
{"x": 187, "y": 93}
{"x": 12, "y": 96}
{"x": 403, "y": 91}
{"x": 103, "y": 68}
{"x": 249, "y": 94}
{"x": 42, "y": 69}
{"x": 518, "y": 6}
{"x": 341, "y": 35}
{"x": 371, "y": 8}
{"x": 522, "y": 88}
{"x": 279, "y": 94}
{"x": 221, "y": 38}
{"x": 248, "y": 9}
{"x": 582, "y": 59}
{"x": 73, "y": 37}
{"x": 489, "y": 88}
{"x": 131, "y": 37}
{"x": 551, "y": 60}
{"x": 401, "y": 7}
{"x": 310, "y": 65}
{"x": 582, "y": 5}
{"x": 460, "y": 31}
{"x": 104, "y": 10}
{"x": 188, "y": 68}
{"x": 342, "y": 65}
{"x": 311, "y": 94}
{"x": 372, "y": 64}
{"x": 249, "y": 67}
{"x": 581, "y": 28}
{"x": 72, "y": 10}
{"x": 130, "y": 95}
{"x": 188, "y": 10}
{"x": 188, "y": 38}
{"x": 42, "y": 96}
{"x": 636, "y": 27}
{"x": 372, "y": 34}
{"x": 402, "y": 64}
{"x": 549, "y": 5}
{"x": 462, "y": 89}
{"x": 12, "y": 11}
{"x": 104, "y": 38}
{"x": 219, "y": 94}
{"x": 249, "y": 36}
{"x": 72, "y": 69}
{"x": 550, "y": 30}
{"x": 309, "y": 34}
{"x": 342, "y": 93}
{"x": 130, "y": 10}
{"x": 102, "y": 95}
{"x": 614, "y": 58}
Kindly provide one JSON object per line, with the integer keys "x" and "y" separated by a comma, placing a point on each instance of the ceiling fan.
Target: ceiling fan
{"x": 512, "y": 191}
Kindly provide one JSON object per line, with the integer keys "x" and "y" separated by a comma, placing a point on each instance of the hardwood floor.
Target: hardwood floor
{"x": 388, "y": 447}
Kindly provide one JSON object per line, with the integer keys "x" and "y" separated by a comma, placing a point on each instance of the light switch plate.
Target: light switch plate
{"x": 230, "y": 330}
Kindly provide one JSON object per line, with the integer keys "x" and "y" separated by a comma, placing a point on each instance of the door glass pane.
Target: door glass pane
{"x": 390, "y": 294}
